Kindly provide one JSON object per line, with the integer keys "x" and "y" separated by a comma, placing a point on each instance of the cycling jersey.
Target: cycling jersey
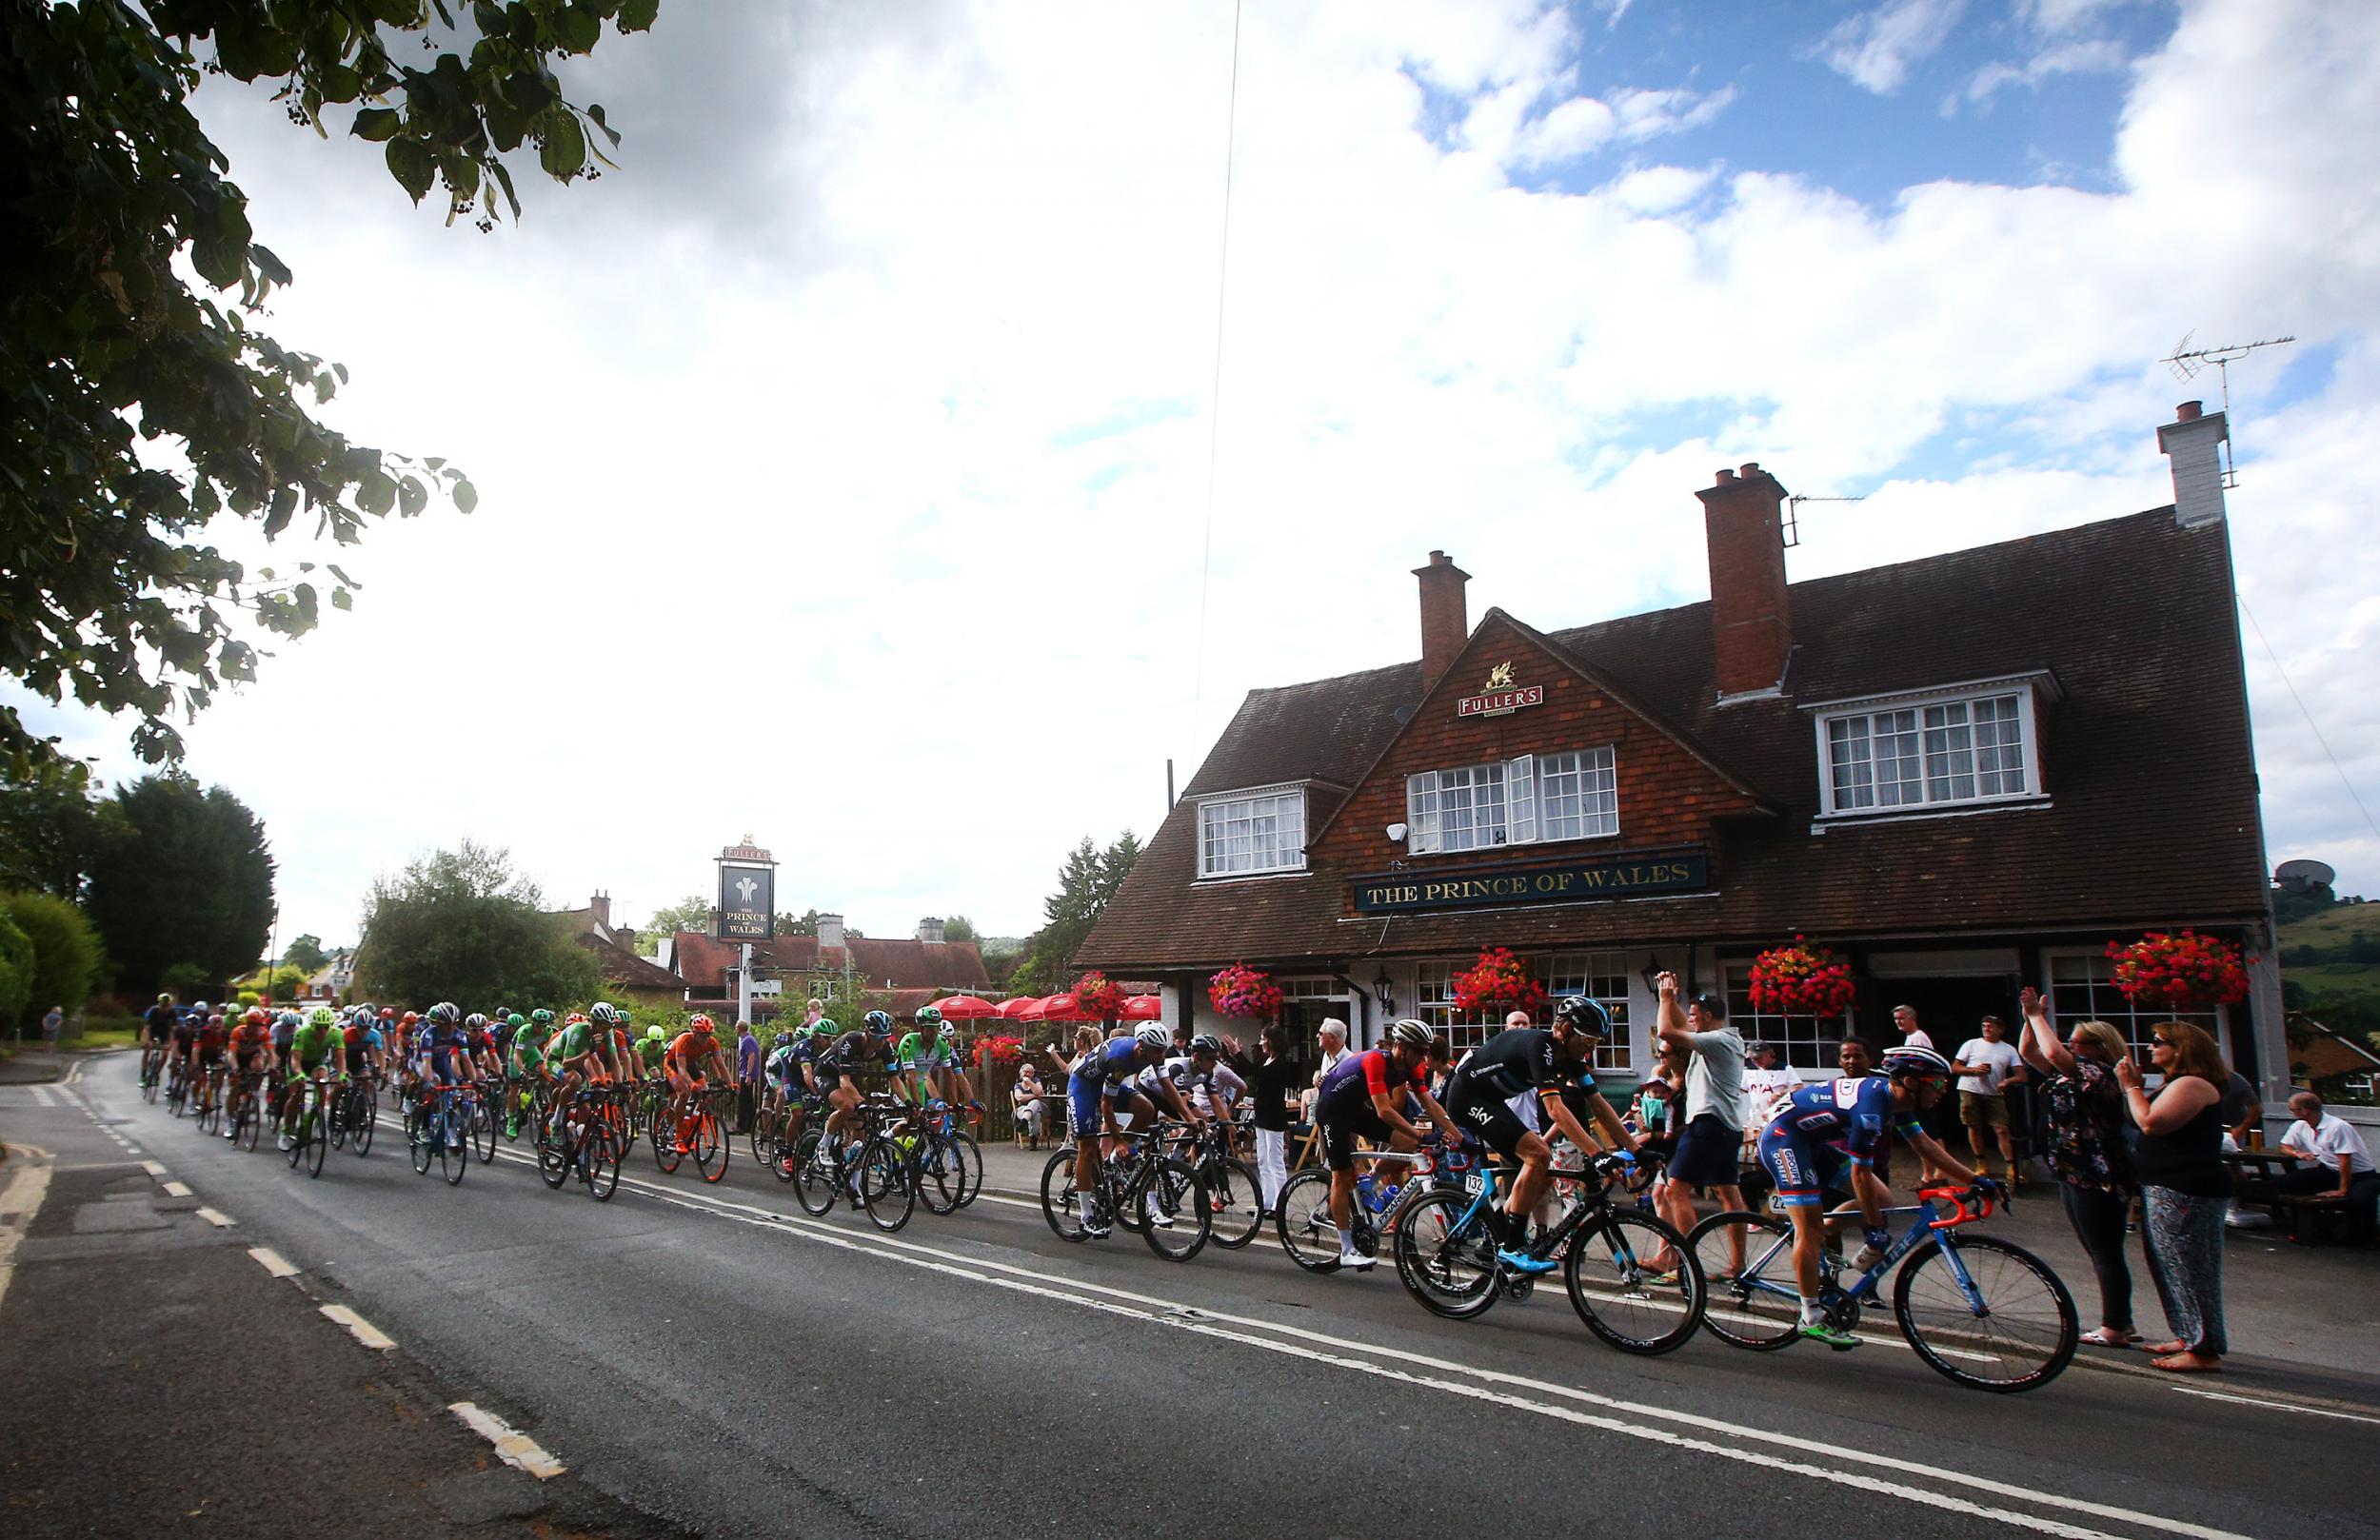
{"x": 282, "y": 1035}
{"x": 691, "y": 1053}
{"x": 1515, "y": 1060}
{"x": 247, "y": 1041}
{"x": 158, "y": 1021}
{"x": 361, "y": 1042}
{"x": 779, "y": 1068}
{"x": 311, "y": 1047}
{"x": 651, "y": 1051}
{"x": 920, "y": 1051}
{"x": 847, "y": 1056}
{"x": 211, "y": 1040}
{"x": 1358, "y": 1078}
{"x": 1805, "y": 1144}
{"x": 481, "y": 1041}
{"x": 526, "y": 1058}
{"x": 440, "y": 1051}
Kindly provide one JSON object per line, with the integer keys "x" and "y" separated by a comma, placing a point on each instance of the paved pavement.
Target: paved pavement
{"x": 715, "y": 1360}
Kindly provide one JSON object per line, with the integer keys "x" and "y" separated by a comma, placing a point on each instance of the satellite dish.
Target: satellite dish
{"x": 2298, "y": 876}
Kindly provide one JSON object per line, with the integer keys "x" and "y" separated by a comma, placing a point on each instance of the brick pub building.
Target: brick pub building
{"x": 1965, "y": 772}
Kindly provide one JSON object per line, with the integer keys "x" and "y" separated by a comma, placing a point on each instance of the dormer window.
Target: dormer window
{"x": 1248, "y": 833}
{"x": 1527, "y": 800}
{"x": 1929, "y": 750}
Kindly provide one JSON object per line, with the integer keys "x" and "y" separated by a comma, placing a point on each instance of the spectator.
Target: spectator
{"x": 2242, "y": 1111}
{"x": 748, "y": 1075}
{"x": 2338, "y": 1166}
{"x": 1659, "y": 1102}
{"x": 1985, "y": 1066}
{"x": 1273, "y": 1082}
{"x": 2087, "y": 1151}
{"x": 2185, "y": 1189}
{"x": 51, "y": 1025}
{"x": 1331, "y": 1037}
{"x": 1711, "y": 1134}
{"x": 1767, "y": 1083}
{"x": 1028, "y": 1107}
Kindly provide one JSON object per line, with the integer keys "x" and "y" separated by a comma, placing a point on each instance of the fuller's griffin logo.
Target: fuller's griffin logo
{"x": 1500, "y": 678}
{"x": 1499, "y": 694}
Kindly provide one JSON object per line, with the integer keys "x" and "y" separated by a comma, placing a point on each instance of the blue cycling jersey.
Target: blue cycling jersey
{"x": 440, "y": 1049}
{"x": 1851, "y": 1115}
{"x": 1112, "y": 1062}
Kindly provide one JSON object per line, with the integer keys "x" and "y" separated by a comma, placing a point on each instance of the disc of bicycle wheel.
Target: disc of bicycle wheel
{"x": 317, "y": 1140}
{"x": 1751, "y": 1298}
{"x": 1302, "y": 1220}
{"x": 1619, "y": 1291}
{"x": 1173, "y": 1204}
{"x": 970, "y": 1158}
{"x": 554, "y": 1157}
{"x": 1445, "y": 1254}
{"x": 1059, "y": 1204}
{"x": 813, "y": 1182}
{"x": 885, "y": 1190}
{"x": 454, "y": 1150}
{"x": 2015, "y": 1330}
{"x": 366, "y": 1119}
{"x": 602, "y": 1163}
{"x": 1235, "y": 1199}
{"x": 484, "y": 1130}
{"x": 711, "y": 1147}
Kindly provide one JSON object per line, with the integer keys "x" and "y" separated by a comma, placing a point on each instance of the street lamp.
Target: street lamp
{"x": 1384, "y": 994}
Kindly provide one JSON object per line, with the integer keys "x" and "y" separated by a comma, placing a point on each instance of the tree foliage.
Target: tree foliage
{"x": 1087, "y": 882}
{"x": 691, "y": 912}
{"x": 16, "y": 970}
{"x": 958, "y": 928}
{"x": 462, "y": 925}
{"x": 47, "y": 824}
{"x": 307, "y": 956}
{"x": 66, "y": 950}
{"x": 137, "y": 407}
{"x": 181, "y": 883}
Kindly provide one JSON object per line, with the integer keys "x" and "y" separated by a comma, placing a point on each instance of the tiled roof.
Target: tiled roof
{"x": 624, "y": 967}
{"x": 703, "y": 960}
{"x": 2147, "y": 757}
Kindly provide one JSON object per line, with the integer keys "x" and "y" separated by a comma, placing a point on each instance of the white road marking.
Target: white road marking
{"x": 216, "y": 1216}
{"x": 177, "y": 1190}
{"x": 2272, "y": 1406}
{"x": 153, "y": 1168}
{"x": 20, "y": 1202}
{"x": 360, "y": 1328}
{"x": 515, "y": 1449}
{"x": 273, "y": 1262}
{"x": 43, "y": 1096}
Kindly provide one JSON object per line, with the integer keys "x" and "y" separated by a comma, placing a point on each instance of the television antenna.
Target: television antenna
{"x": 2187, "y": 363}
{"x": 1790, "y": 530}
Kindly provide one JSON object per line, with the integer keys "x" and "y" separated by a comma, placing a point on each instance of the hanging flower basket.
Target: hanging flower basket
{"x": 1498, "y": 982}
{"x": 1801, "y": 979}
{"x": 1001, "y": 1053}
{"x": 2179, "y": 970}
{"x": 1098, "y": 996}
{"x": 1245, "y": 992}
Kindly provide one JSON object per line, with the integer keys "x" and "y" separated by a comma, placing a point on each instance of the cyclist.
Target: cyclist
{"x": 928, "y": 1060}
{"x": 502, "y": 1025}
{"x": 1362, "y": 1097}
{"x": 365, "y": 1045}
{"x": 251, "y": 1047}
{"x": 156, "y": 1036}
{"x": 1823, "y": 1125}
{"x": 777, "y": 1077}
{"x": 587, "y": 1051}
{"x": 482, "y": 1044}
{"x": 314, "y": 1054}
{"x": 525, "y": 1066}
{"x": 284, "y": 1026}
{"x": 1094, "y": 1089}
{"x": 650, "y": 1049}
{"x": 204, "y": 1068}
{"x": 692, "y": 1059}
{"x": 1526, "y": 1060}
{"x": 442, "y": 1059}
{"x": 1215, "y": 1087}
{"x": 836, "y": 1063}
{"x": 184, "y": 1034}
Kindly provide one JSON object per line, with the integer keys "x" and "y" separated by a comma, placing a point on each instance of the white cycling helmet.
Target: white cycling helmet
{"x": 1154, "y": 1034}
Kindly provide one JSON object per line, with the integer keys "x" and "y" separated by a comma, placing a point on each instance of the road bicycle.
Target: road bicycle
{"x": 1234, "y": 1196}
{"x": 1982, "y": 1311}
{"x": 211, "y": 1087}
{"x": 1301, "y": 1212}
{"x": 358, "y": 1114}
{"x": 248, "y": 1108}
{"x": 870, "y": 1171}
{"x": 486, "y": 1094}
{"x": 310, "y": 1135}
{"x": 945, "y": 1165}
{"x": 1144, "y": 1189}
{"x": 152, "y": 1068}
{"x": 177, "y": 1086}
{"x": 440, "y": 1128}
{"x": 1449, "y": 1261}
{"x": 700, "y": 1133}
{"x": 588, "y": 1141}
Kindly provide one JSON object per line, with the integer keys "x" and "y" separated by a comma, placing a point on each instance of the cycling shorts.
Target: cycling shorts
{"x": 1343, "y": 1121}
{"x": 1485, "y": 1114}
{"x": 1084, "y": 1097}
{"x": 1802, "y": 1167}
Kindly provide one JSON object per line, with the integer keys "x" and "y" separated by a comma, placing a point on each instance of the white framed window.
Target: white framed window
{"x": 1601, "y": 977}
{"x": 1531, "y": 799}
{"x": 1433, "y": 1005}
{"x": 2082, "y": 988}
{"x": 1806, "y": 1042}
{"x": 1943, "y": 748}
{"x": 1245, "y": 833}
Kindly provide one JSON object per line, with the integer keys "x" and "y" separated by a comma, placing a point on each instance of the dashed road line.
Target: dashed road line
{"x": 273, "y": 1262}
{"x": 514, "y": 1447}
{"x": 44, "y": 1097}
{"x": 217, "y": 1217}
{"x": 177, "y": 1190}
{"x": 153, "y": 1168}
{"x": 360, "y": 1328}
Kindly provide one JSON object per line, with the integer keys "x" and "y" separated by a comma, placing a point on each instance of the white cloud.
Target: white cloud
{"x": 875, "y": 530}
{"x": 1875, "y": 48}
{"x": 2087, "y": 56}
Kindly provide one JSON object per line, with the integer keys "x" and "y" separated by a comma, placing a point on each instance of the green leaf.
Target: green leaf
{"x": 564, "y": 150}
{"x": 412, "y": 497}
{"x": 377, "y": 124}
{"x": 595, "y": 110}
{"x": 340, "y": 598}
{"x": 340, "y": 573}
{"x": 375, "y": 493}
{"x": 410, "y": 163}
{"x": 580, "y": 28}
{"x": 637, "y": 15}
{"x": 338, "y": 83}
{"x": 504, "y": 180}
{"x": 466, "y": 496}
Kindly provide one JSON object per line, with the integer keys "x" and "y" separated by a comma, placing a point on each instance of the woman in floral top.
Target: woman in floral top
{"x": 2087, "y": 1152}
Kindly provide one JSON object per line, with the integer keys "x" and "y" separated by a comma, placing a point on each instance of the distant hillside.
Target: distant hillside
{"x": 2335, "y": 953}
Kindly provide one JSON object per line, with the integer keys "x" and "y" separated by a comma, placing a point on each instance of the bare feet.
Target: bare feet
{"x": 2169, "y": 1349}
{"x": 2187, "y": 1363}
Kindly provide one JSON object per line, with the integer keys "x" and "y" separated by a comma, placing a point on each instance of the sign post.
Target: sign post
{"x": 747, "y": 910}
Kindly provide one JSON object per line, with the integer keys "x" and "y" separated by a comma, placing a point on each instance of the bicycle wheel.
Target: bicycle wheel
{"x": 454, "y": 1146}
{"x": 1612, "y": 1284}
{"x": 1445, "y": 1253}
{"x": 483, "y": 1129}
{"x": 1059, "y": 1204}
{"x": 940, "y": 1173}
{"x": 666, "y": 1132}
{"x": 764, "y": 1138}
{"x": 367, "y": 1103}
{"x": 599, "y": 1164}
{"x": 710, "y": 1145}
{"x": 970, "y": 1158}
{"x": 250, "y": 1125}
{"x": 149, "y": 1085}
{"x": 1173, "y": 1192}
{"x": 342, "y": 1109}
{"x": 317, "y": 1143}
{"x": 787, "y": 1163}
{"x": 418, "y": 1133}
{"x": 1235, "y": 1199}
{"x": 813, "y": 1181}
{"x": 557, "y": 1154}
{"x": 2014, "y": 1332}
{"x": 1302, "y": 1219}
{"x": 885, "y": 1190}
{"x": 1760, "y": 1307}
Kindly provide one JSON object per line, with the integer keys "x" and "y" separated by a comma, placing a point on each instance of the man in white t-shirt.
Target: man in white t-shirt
{"x": 1710, "y": 1142}
{"x": 2338, "y": 1164}
{"x": 1905, "y": 1020}
{"x": 1767, "y": 1083}
{"x": 1986, "y": 1066}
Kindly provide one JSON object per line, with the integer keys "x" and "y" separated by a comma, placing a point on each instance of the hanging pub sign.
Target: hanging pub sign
{"x": 1499, "y": 696}
{"x": 1625, "y": 877}
{"x": 747, "y": 894}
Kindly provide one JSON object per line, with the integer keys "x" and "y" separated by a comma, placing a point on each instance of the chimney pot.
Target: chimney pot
{"x": 2190, "y": 411}
{"x": 1750, "y": 469}
{"x": 1445, "y": 617}
{"x": 1725, "y": 476}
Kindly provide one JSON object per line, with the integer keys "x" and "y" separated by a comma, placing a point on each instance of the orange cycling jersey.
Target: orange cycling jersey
{"x": 247, "y": 1039}
{"x": 690, "y": 1052}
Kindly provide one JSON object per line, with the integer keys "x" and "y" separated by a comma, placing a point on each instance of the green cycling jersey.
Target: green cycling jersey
{"x": 918, "y": 1052}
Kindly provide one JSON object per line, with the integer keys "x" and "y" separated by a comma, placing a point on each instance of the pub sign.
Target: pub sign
{"x": 747, "y": 895}
{"x": 1625, "y": 877}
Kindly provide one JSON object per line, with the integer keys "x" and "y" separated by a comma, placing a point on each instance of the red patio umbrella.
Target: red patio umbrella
{"x": 1143, "y": 1008}
{"x": 1062, "y": 1008}
{"x": 966, "y": 1008}
{"x": 1023, "y": 1008}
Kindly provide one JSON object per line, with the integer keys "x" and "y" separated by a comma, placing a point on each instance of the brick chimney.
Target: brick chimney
{"x": 600, "y": 906}
{"x": 830, "y": 934}
{"x": 930, "y": 929}
{"x": 1752, "y": 621}
{"x": 2190, "y": 442}
{"x": 1445, "y": 618}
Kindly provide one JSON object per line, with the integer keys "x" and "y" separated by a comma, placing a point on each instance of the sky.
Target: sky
{"x": 892, "y": 460}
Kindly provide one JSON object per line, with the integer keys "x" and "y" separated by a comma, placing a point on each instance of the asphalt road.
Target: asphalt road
{"x": 715, "y": 1360}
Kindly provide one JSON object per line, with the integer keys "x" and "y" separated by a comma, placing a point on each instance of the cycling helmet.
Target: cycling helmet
{"x": 475, "y": 1021}
{"x": 1583, "y": 1015}
{"x": 604, "y": 1013}
{"x": 409, "y": 1019}
{"x": 699, "y": 1022}
{"x": 950, "y": 1031}
{"x": 654, "y": 1035}
{"x": 165, "y": 999}
{"x": 1154, "y": 1034}
{"x": 541, "y": 1016}
{"x": 825, "y": 1028}
{"x": 513, "y": 1021}
{"x": 1909, "y": 1060}
{"x": 258, "y": 1017}
{"x": 877, "y": 1022}
{"x": 1407, "y": 1032}
{"x": 288, "y": 1019}
{"x": 200, "y": 1006}
{"x": 388, "y": 1012}
{"x": 325, "y": 1017}
{"x": 444, "y": 1013}
{"x": 1206, "y": 1042}
{"x": 929, "y": 1015}
{"x": 782, "y": 1039}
